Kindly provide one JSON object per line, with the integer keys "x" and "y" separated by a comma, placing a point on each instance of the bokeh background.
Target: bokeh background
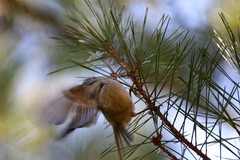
{"x": 28, "y": 53}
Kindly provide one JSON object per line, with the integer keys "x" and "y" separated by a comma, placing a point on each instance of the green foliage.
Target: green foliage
{"x": 229, "y": 43}
{"x": 186, "y": 116}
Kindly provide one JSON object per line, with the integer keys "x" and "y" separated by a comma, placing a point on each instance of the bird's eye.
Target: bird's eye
{"x": 100, "y": 86}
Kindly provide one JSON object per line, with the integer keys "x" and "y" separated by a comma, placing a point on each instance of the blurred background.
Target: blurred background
{"x": 28, "y": 54}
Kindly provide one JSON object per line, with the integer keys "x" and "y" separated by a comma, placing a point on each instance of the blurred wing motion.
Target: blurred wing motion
{"x": 81, "y": 117}
{"x": 57, "y": 112}
{"x": 77, "y": 106}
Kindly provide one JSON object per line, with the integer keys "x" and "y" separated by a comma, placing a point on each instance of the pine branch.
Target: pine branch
{"x": 118, "y": 48}
{"x": 181, "y": 137}
{"x": 157, "y": 141}
{"x": 155, "y": 110}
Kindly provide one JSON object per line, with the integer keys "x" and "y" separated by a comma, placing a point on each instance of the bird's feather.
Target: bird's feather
{"x": 81, "y": 117}
{"x": 57, "y": 112}
{"x": 120, "y": 134}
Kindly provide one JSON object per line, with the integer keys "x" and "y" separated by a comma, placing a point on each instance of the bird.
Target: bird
{"x": 83, "y": 103}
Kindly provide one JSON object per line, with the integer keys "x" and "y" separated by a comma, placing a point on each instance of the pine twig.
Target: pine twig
{"x": 157, "y": 141}
{"x": 137, "y": 87}
{"x": 180, "y": 137}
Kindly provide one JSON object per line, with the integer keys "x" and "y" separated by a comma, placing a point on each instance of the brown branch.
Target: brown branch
{"x": 177, "y": 134}
{"x": 157, "y": 142}
{"x": 180, "y": 137}
{"x": 137, "y": 86}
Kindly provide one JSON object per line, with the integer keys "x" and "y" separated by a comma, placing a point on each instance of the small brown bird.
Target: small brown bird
{"x": 84, "y": 102}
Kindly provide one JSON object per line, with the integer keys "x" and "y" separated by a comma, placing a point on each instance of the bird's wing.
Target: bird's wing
{"x": 77, "y": 105}
{"x": 84, "y": 112}
{"x": 57, "y": 111}
{"x": 84, "y": 105}
{"x": 81, "y": 117}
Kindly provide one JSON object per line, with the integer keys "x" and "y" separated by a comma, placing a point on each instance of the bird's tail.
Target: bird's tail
{"x": 121, "y": 134}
